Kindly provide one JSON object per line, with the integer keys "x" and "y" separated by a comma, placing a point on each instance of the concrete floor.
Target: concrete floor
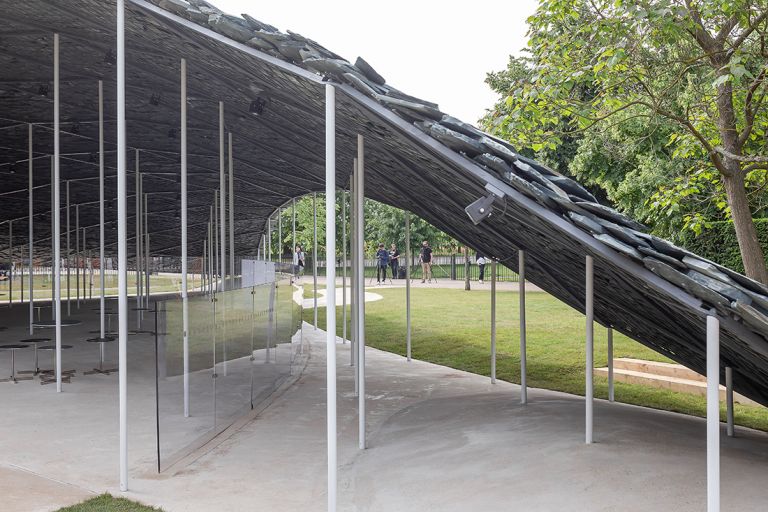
{"x": 439, "y": 439}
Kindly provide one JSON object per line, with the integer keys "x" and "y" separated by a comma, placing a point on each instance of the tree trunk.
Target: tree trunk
{"x": 746, "y": 234}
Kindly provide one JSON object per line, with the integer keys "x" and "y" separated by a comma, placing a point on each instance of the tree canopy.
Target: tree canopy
{"x": 661, "y": 103}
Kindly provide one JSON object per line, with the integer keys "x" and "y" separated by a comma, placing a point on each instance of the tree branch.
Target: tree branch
{"x": 741, "y": 158}
{"x": 749, "y": 112}
{"x": 744, "y": 35}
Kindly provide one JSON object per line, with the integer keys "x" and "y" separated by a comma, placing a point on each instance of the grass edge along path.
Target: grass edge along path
{"x": 451, "y": 327}
{"x": 108, "y": 503}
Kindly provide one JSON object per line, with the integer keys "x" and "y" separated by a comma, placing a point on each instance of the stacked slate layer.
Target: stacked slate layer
{"x": 729, "y": 293}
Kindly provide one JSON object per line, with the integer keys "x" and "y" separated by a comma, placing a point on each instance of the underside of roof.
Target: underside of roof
{"x": 416, "y": 158}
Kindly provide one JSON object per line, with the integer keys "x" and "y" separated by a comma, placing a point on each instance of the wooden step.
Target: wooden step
{"x": 680, "y": 385}
{"x": 656, "y": 368}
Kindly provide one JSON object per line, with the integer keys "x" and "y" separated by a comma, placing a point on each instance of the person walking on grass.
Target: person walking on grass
{"x": 425, "y": 258}
{"x": 382, "y": 262}
{"x": 481, "y": 266}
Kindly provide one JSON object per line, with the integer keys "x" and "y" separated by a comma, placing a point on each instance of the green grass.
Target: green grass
{"x": 42, "y": 285}
{"x": 108, "y": 503}
{"x": 452, "y": 328}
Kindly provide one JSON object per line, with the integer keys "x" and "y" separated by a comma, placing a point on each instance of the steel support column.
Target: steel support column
{"x": 184, "y": 241}
{"x": 314, "y": 257}
{"x": 493, "y": 321}
{"x": 408, "y": 286}
{"x": 523, "y": 340}
{"x": 729, "y": 400}
{"x": 590, "y": 312}
{"x": 360, "y": 226}
{"x": 31, "y": 235}
{"x": 610, "y": 365}
{"x": 713, "y": 414}
{"x": 222, "y": 201}
{"x": 330, "y": 287}
{"x": 56, "y": 210}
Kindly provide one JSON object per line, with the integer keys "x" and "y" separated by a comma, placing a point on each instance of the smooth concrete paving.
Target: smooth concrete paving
{"x": 438, "y": 439}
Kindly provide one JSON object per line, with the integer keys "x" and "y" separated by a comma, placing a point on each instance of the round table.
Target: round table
{"x": 49, "y": 376}
{"x": 34, "y": 342}
{"x": 52, "y": 323}
{"x": 101, "y": 368}
{"x": 13, "y": 349}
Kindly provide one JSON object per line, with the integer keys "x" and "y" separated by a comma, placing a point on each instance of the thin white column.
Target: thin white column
{"x": 69, "y": 265}
{"x": 77, "y": 253}
{"x": 713, "y": 414}
{"x": 231, "y": 210}
{"x": 330, "y": 287}
{"x": 729, "y": 400}
{"x": 138, "y": 232}
{"x": 56, "y": 210}
{"x": 54, "y": 191}
{"x": 314, "y": 256}
{"x": 279, "y": 234}
{"x": 523, "y": 348}
{"x": 589, "y": 307}
{"x": 216, "y": 247}
{"x": 269, "y": 238}
{"x": 408, "y": 286}
{"x": 222, "y": 200}
{"x": 122, "y": 248}
{"x": 10, "y": 262}
{"x": 353, "y": 271}
{"x": 610, "y": 365}
{"x": 293, "y": 228}
{"x": 360, "y": 221}
{"x": 343, "y": 266}
{"x": 147, "y": 267}
{"x": 493, "y": 321}
{"x": 184, "y": 256}
{"x": 102, "y": 301}
{"x": 31, "y": 234}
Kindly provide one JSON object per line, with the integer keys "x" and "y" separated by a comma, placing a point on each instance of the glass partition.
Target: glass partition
{"x": 244, "y": 344}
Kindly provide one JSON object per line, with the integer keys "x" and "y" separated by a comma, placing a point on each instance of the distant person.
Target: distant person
{"x": 481, "y": 266}
{"x": 382, "y": 262}
{"x": 425, "y": 258}
{"x": 394, "y": 260}
{"x": 298, "y": 261}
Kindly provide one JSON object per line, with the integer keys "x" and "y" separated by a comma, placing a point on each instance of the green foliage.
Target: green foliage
{"x": 383, "y": 224}
{"x": 719, "y": 244}
{"x": 642, "y": 99}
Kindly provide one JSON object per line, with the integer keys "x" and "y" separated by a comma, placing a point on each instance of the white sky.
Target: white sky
{"x": 436, "y": 50}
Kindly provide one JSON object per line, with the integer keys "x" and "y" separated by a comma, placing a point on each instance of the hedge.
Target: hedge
{"x": 719, "y": 244}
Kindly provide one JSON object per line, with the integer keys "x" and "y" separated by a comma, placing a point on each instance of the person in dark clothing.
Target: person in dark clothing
{"x": 382, "y": 262}
{"x": 425, "y": 257}
{"x": 481, "y": 266}
{"x": 394, "y": 260}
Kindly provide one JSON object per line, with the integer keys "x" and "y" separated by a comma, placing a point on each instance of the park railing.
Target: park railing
{"x": 444, "y": 266}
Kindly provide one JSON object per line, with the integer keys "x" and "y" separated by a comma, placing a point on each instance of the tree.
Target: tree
{"x": 699, "y": 65}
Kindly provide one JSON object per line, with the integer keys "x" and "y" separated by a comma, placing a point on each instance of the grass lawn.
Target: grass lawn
{"x": 43, "y": 283}
{"x": 452, "y": 328}
{"x": 108, "y": 503}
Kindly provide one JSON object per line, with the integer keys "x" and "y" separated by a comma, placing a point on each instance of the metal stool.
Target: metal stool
{"x": 13, "y": 348}
{"x": 34, "y": 342}
{"x": 49, "y": 376}
{"x": 101, "y": 369}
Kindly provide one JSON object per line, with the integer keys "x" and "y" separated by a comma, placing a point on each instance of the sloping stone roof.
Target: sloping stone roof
{"x": 417, "y": 158}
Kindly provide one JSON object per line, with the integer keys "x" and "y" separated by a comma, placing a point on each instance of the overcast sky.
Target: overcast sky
{"x": 436, "y": 50}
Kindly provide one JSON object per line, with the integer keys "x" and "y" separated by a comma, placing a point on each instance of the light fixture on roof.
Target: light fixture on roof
{"x": 43, "y": 90}
{"x": 12, "y": 169}
{"x": 482, "y": 208}
{"x": 257, "y": 106}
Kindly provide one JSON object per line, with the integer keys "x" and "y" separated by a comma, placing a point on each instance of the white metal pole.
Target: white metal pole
{"x": 77, "y": 253}
{"x": 610, "y": 365}
{"x": 216, "y": 246}
{"x": 729, "y": 400}
{"x": 145, "y": 231}
{"x": 184, "y": 256}
{"x": 353, "y": 284}
{"x": 589, "y": 307}
{"x": 69, "y": 309}
{"x": 138, "y": 233}
{"x": 523, "y": 333}
{"x": 122, "y": 248}
{"x": 493, "y": 321}
{"x": 279, "y": 234}
{"x": 344, "y": 266}
{"x": 102, "y": 300}
{"x": 293, "y": 226}
{"x": 56, "y": 210}
{"x": 54, "y": 190}
{"x": 231, "y": 210}
{"x": 330, "y": 286}
{"x": 222, "y": 200}
{"x": 360, "y": 220}
{"x": 314, "y": 256}
{"x": 31, "y": 238}
{"x": 713, "y": 414}
{"x": 408, "y": 286}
